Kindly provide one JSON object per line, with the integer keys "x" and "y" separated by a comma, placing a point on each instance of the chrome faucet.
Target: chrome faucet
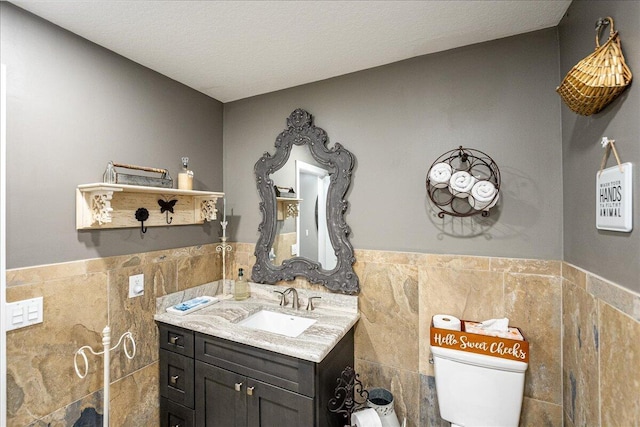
{"x": 296, "y": 303}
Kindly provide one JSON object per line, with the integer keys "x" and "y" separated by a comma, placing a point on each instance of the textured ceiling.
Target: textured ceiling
{"x": 236, "y": 49}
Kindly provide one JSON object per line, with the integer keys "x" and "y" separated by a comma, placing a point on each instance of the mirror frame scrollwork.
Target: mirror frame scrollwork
{"x": 339, "y": 162}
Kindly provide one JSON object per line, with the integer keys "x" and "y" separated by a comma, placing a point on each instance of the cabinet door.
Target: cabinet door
{"x": 174, "y": 415}
{"x": 220, "y": 397}
{"x": 269, "y": 406}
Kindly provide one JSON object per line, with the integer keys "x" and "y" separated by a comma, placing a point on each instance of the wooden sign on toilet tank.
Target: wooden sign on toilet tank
{"x": 504, "y": 348}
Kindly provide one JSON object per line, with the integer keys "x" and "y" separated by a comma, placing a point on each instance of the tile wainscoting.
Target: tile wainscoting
{"x": 583, "y": 332}
{"x": 80, "y": 299}
{"x": 601, "y": 351}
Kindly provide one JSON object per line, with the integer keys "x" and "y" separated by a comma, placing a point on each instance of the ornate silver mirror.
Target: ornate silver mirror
{"x": 302, "y": 189}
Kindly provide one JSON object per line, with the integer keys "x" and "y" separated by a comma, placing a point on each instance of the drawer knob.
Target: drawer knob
{"x": 174, "y": 379}
{"x": 238, "y": 386}
{"x": 174, "y": 340}
{"x": 176, "y": 425}
{"x": 250, "y": 391}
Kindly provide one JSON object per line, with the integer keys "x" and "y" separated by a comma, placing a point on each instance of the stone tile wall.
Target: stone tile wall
{"x": 392, "y": 339}
{"x": 601, "y": 348}
{"x": 80, "y": 299}
{"x": 587, "y": 378}
{"x": 581, "y": 379}
{"x": 282, "y": 246}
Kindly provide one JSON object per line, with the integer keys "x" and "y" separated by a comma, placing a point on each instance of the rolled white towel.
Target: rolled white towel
{"x": 440, "y": 174}
{"x": 484, "y": 195}
{"x": 480, "y": 206}
{"x": 461, "y": 184}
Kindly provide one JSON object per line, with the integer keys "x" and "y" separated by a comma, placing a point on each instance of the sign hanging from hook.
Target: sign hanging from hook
{"x": 614, "y": 192}
{"x": 608, "y": 145}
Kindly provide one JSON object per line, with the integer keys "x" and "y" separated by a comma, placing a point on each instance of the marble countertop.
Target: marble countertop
{"x": 335, "y": 314}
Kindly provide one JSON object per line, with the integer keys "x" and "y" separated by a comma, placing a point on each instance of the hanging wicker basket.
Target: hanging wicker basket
{"x": 599, "y": 78}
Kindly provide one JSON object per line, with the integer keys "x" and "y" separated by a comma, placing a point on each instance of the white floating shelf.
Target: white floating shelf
{"x": 102, "y": 206}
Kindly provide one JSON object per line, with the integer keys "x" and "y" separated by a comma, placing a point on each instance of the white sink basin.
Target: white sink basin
{"x": 278, "y": 323}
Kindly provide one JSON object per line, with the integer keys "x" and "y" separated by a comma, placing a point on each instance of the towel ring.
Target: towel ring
{"x": 480, "y": 166}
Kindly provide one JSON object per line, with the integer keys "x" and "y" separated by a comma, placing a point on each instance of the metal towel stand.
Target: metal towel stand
{"x": 106, "y": 343}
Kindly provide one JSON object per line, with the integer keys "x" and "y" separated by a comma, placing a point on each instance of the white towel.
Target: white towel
{"x": 483, "y": 195}
{"x": 461, "y": 183}
{"x": 440, "y": 174}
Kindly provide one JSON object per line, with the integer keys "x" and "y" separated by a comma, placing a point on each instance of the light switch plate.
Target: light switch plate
{"x": 136, "y": 285}
{"x": 23, "y": 313}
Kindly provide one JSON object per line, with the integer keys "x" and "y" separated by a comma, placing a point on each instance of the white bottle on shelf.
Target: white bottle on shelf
{"x": 185, "y": 178}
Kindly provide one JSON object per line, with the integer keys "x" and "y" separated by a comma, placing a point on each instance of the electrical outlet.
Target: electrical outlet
{"x": 136, "y": 285}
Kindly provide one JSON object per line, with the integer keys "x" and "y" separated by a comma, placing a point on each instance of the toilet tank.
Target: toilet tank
{"x": 476, "y": 390}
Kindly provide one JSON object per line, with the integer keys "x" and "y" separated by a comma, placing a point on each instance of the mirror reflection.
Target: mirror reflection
{"x": 305, "y": 235}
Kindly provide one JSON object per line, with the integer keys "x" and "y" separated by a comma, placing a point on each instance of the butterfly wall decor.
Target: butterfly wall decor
{"x": 166, "y": 206}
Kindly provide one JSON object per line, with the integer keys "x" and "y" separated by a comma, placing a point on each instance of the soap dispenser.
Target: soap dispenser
{"x": 241, "y": 288}
{"x": 185, "y": 178}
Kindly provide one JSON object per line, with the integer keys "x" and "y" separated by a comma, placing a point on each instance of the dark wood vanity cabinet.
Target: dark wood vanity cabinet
{"x": 177, "y": 367}
{"x": 236, "y": 385}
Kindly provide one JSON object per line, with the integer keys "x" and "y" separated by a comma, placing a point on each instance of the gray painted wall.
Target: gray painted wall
{"x": 615, "y": 256}
{"x": 397, "y": 119}
{"x": 72, "y": 106}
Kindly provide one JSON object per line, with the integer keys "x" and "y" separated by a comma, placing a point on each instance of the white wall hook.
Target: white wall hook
{"x": 608, "y": 145}
{"x": 605, "y": 141}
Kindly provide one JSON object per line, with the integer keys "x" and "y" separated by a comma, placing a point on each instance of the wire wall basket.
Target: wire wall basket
{"x": 463, "y": 182}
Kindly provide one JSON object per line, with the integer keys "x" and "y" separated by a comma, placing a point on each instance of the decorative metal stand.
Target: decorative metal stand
{"x": 476, "y": 163}
{"x": 349, "y": 396}
{"x": 106, "y": 343}
{"x": 224, "y": 247}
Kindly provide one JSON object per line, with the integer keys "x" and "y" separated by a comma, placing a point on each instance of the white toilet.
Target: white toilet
{"x": 475, "y": 390}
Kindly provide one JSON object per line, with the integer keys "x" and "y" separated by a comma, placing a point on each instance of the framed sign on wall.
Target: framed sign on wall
{"x": 614, "y": 198}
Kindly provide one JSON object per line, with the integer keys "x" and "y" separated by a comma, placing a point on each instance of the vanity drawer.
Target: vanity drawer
{"x": 175, "y": 415}
{"x": 278, "y": 369}
{"x": 176, "y": 339}
{"x": 177, "y": 377}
